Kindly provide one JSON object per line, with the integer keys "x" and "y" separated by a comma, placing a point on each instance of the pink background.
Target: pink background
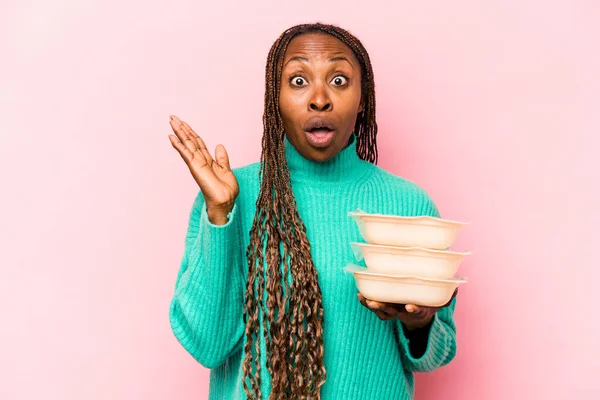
{"x": 491, "y": 106}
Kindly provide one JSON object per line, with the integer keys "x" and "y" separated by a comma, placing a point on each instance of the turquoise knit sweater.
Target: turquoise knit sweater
{"x": 365, "y": 358}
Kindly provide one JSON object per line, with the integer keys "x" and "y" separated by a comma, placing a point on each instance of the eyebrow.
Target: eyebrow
{"x": 340, "y": 58}
{"x": 333, "y": 59}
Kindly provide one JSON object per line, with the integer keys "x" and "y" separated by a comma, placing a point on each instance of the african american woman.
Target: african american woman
{"x": 261, "y": 298}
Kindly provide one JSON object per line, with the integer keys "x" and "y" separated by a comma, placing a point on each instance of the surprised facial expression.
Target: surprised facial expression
{"x": 320, "y": 95}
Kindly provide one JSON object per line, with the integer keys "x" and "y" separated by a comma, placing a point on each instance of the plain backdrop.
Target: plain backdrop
{"x": 491, "y": 106}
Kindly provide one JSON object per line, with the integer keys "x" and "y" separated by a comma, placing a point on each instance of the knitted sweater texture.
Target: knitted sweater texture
{"x": 365, "y": 358}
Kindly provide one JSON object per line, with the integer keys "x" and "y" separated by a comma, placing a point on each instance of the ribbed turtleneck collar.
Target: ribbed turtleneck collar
{"x": 345, "y": 166}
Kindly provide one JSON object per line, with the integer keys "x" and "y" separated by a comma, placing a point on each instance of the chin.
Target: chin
{"x": 321, "y": 158}
{"x": 321, "y": 155}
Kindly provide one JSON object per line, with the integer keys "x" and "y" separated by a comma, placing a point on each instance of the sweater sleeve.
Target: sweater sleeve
{"x": 441, "y": 343}
{"x": 206, "y": 312}
{"x": 440, "y": 346}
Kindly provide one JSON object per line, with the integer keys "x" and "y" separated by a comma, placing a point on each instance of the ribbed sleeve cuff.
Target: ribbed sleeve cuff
{"x": 440, "y": 349}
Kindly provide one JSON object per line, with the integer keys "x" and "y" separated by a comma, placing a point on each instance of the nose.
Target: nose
{"x": 320, "y": 99}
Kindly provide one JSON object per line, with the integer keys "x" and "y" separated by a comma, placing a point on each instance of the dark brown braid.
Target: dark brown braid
{"x": 292, "y": 313}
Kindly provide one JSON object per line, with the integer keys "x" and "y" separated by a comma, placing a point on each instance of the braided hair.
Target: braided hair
{"x": 292, "y": 312}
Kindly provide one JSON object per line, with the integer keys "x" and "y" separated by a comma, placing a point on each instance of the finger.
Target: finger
{"x": 192, "y": 138}
{"x": 184, "y": 152}
{"x": 187, "y": 155}
{"x": 411, "y": 308}
{"x": 375, "y": 305}
{"x": 421, "y": 312}
{"x": 221, "y": 157}
{"x": 383, "y": 316}
{"x": 380, "y": 313}
{"x": 200, "y": 143}
{"x": 197, "y": 139}
{"x": 183, "y": 136}
{"x": 381, "y": 308}
{"x": 362, "y": 300}
{"x": 394, "y": 310}
{"x": 193, "y": 134}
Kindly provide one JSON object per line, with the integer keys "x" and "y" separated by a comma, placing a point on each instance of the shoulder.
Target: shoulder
{"x": 399, "y": 183}
{"x": 408, "y": 197}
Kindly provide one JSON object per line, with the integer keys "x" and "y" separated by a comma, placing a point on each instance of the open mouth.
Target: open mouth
{"x": 319, "y": 131}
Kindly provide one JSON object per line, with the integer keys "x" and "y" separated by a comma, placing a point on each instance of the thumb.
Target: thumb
{"x": 411, "y": 308}
{"x": 221, "y": 157}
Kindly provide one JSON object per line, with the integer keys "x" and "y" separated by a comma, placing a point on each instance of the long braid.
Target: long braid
{"x": 292, "y": 313}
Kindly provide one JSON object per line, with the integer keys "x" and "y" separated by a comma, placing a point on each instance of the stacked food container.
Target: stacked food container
{"x": 408, "y": 259}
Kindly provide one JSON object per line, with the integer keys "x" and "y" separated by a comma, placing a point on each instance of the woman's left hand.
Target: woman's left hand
{"x": 412, "y": 316}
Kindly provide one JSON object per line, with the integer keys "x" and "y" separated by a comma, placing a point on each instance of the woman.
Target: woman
{"x": 261, "y": 297}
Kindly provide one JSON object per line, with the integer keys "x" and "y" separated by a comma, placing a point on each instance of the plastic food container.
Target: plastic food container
{"x": 391, "y": 230}
{"x": 409, "y": 261}
{"x": 404, "y": 290}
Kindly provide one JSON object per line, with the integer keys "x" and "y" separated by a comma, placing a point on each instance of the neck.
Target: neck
{"x": 344, "y": 166}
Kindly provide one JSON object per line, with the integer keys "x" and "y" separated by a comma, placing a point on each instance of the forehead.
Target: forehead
{"x": 317, "y": 46}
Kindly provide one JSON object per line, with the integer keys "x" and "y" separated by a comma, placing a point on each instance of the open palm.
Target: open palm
{"x": 217, "y": 182}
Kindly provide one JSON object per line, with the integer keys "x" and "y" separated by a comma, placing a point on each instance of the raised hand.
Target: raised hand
{"x": 214, "y": 176}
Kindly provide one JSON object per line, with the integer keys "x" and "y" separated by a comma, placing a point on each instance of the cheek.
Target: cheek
{"x": 351, "y": 99}
{"x": 287, "y": 100}
{"x": 351, "y": 105}
{"x": 290, "y": 108}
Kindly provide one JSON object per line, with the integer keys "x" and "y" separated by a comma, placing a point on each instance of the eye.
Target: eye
{"x": 298, "y": 81}
{"x": 339, "y": 80}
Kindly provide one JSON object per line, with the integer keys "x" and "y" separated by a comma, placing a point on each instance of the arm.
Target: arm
{"x": 426, "y": 349}
{"x": 206, "y": 311}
